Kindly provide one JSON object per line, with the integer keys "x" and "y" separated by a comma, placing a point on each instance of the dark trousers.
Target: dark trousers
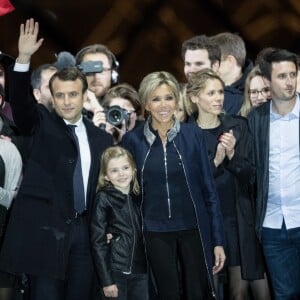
{"x": 282, "y": 252}
{"x": 131, "y": 286}
{"x": 164, "y": 251}
{"x": 80, "y": 278}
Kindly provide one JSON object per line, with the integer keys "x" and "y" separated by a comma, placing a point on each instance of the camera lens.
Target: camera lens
{"x": 115, "y": 115}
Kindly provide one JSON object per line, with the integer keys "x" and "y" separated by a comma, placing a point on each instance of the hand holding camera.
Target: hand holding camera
{"x": 92, "y": 104}
{"x": 114, "y": 115}
{"x": 114, "y": 120}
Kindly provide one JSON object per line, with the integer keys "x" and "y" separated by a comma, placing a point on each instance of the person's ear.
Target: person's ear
{"x": 1, "y": 100}
{"x": 194, "y": 99}
{"x": 215, "y": 66}
{"x": 37, "y": 95}
{"x": 106, "y": 178}
{"x": 266, "y": 81}
{"x": 85, "y": 96}
{"x": 52, "y": 101}
{"x": 146, "y": 108}
{"x": 231, "y": 59}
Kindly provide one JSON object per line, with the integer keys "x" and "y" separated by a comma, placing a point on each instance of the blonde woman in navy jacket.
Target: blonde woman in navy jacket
{"x": 180, "y": 207}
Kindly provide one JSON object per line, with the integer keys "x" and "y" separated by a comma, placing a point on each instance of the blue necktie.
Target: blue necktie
{"x": 78, "y": 187}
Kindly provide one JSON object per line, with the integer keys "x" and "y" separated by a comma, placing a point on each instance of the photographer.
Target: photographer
{"x": 122, "y": 111}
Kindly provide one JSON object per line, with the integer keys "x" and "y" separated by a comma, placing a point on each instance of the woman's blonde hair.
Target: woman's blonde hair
{"x": 197, "y": 82}
{"x": 116, "y": 152}
{"x": 153, "y": 80}
{"x": 188, "y": 105}
{"x": 247, "y": 105}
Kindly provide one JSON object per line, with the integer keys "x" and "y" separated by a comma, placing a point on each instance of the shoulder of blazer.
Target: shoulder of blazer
{"x": 263, "y": 109}
{"x": 190, "y": 130}
{"x": 137, "y": 134}
{"x": 97, "y": 133}
{"x": 189, "y": 126}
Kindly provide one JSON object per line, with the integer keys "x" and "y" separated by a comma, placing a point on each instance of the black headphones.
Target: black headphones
{"x": 114, "y": 70}
{"x": 102, "y": 49}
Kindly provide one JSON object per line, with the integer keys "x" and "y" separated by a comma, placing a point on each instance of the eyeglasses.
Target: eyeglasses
{"x": 264, "y": 92}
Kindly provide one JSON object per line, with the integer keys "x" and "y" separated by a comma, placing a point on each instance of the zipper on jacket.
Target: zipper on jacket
{"x": 200, "y": 234}
{"x": 134, "y": 235}
{"x": 142, "y": 184}
{"x": 142, "y": 200}
{"x": 167, "y": 181}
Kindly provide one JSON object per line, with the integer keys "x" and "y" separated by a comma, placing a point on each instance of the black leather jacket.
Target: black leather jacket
{"x": 118, "y": 214}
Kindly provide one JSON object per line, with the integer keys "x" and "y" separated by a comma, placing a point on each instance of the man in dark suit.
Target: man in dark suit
{"x": 47, "y": 236}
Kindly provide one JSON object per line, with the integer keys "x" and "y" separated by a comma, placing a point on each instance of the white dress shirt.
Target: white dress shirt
{"x": 284, "y": 170}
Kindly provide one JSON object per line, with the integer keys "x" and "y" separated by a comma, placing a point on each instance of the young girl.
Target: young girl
{"x": 121, "y": 263}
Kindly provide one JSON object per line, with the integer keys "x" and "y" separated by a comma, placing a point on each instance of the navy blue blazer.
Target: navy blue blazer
{"x": 190, "y": 144}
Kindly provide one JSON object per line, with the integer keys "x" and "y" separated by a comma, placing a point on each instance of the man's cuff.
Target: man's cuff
{"x": 21, "y": 67}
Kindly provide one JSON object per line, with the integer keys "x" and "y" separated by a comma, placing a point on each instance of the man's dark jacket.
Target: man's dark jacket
{"x": 259, "y": 124}
{"x": 37, "y": 237}
{"x": 234, "y": 93}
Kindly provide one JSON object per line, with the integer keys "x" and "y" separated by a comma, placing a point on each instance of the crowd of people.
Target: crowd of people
{"x": 166, "y": 192}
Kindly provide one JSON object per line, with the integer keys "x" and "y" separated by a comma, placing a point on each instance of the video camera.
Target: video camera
{"x": 87, "y": 67}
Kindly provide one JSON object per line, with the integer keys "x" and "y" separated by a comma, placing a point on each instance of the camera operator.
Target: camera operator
{"x": 100, "y": 67}
{"x": 122, "y": 111}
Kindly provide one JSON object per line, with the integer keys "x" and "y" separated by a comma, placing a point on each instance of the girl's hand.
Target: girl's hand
{"x": 219, "y": 259}
{"x": 111, "y": 291}
{"x": 228, "y": 141}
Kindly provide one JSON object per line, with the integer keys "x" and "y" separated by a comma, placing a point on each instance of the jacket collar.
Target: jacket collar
{"x": 150, "y": 136}
{"x": 240, "y": 83}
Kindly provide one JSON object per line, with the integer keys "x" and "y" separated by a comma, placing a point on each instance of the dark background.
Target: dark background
{"x": 146, "y": 35}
